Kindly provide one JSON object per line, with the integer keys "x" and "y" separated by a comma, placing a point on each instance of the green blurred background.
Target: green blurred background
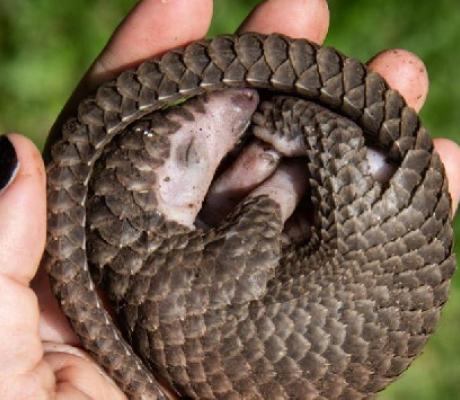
{"x": 46, "y": 45}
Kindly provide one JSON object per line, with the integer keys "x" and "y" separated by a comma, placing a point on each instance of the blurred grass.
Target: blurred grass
{"x": 46, "y": 45}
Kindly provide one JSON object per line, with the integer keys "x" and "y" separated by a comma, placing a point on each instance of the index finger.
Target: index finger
{"x": 151, "y": 28}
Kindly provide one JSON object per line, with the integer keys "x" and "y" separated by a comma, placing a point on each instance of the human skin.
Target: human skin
{"x": 39, "y": 353}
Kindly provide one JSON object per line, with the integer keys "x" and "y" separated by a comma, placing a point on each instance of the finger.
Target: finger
{"x": 150, "y": 29}
{"x": 54, "y": 326}
{"x": 450, "y": 155}
{"x": 296, "y": 18}
{"x": 286, "y": 186}
{"x": 405, "y": 72}
{"x": 22, "y": 213}
{"x": 22, "y": 239}
{"x": 20, "y": 344}
{"x": 36, "y": 384}
{"x": 77, "y": 376}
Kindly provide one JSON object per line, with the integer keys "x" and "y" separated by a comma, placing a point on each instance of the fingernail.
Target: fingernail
{"x": 8, "y": 162}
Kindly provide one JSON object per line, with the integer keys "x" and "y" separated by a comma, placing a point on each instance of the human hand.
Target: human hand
{"x": 41, "y": 358}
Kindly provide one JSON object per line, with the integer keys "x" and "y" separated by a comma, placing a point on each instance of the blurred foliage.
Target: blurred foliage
{"x": 46, "y": 45}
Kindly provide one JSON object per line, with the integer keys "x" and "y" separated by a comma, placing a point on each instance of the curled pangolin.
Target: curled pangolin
{"x": 241, "y": 309}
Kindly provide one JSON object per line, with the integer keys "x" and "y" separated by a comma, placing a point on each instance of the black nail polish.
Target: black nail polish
{"x": 8, "y": 162}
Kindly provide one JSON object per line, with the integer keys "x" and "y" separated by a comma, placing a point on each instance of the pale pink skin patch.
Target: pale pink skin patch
{"x": 196, "y": 150}
{"x": 199, "y": 146}
{"x": 380, "y": 169}
{"x": 286, "y": 186}
{"x": 256, "y": 162}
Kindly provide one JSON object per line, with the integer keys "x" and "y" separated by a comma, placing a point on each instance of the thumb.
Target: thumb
{"x": 22, "y": 238}
{"x": 22, "y": 208}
